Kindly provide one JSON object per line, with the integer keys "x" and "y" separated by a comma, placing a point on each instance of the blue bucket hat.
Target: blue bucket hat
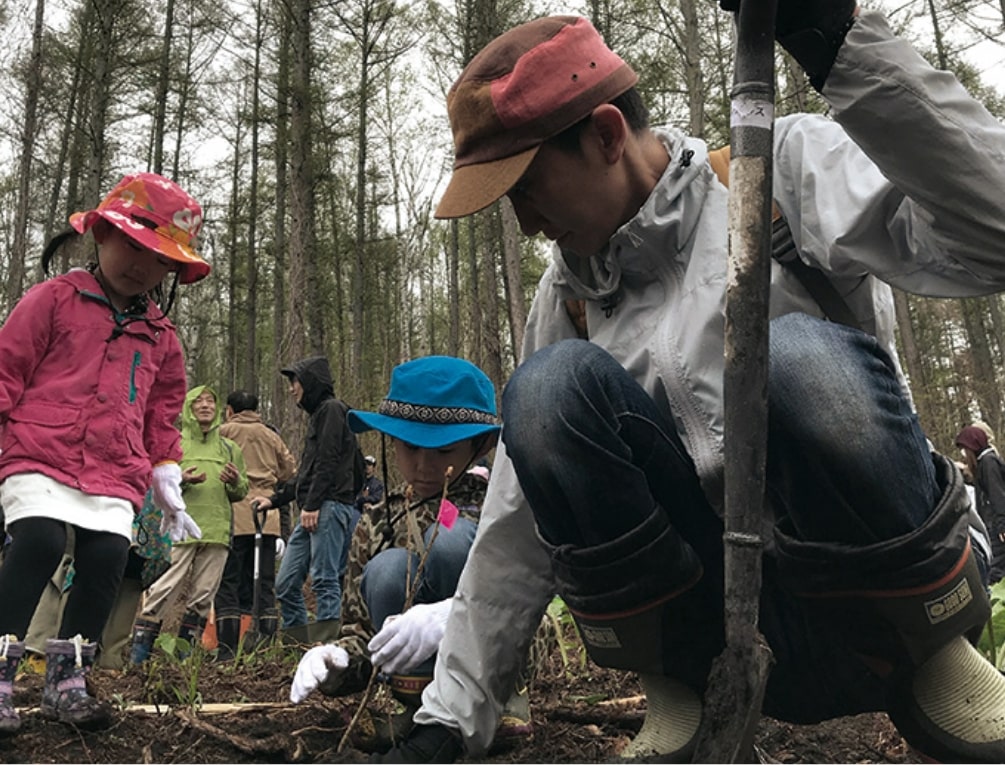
{"x": 433, "y": 401}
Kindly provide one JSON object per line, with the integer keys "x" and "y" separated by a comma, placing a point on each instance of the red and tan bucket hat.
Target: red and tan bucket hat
{"x": 158, "y": 214}
{"x": 526, "y": 86}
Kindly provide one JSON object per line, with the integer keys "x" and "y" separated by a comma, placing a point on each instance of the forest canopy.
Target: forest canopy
{"x": 315, "y": 137}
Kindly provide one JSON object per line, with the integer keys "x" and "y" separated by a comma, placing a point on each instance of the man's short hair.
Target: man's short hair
{"x": 631, "y": 106}
{"x": 241, "y": 400}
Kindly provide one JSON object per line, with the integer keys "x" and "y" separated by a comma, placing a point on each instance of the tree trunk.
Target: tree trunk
{"x": 453, "y": 291}
{"x": 234, "y": 317}
{"x": 512, "y": 278}
{"x": 306, "y": 322}
{"x": 251, "y": 358}
{"x": 910, "y": 353}
{"x": 163, "y": 87}
{"x": 33, "y": 84}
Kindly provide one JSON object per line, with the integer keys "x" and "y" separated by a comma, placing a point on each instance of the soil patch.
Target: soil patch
{"x": 170, "y": 711}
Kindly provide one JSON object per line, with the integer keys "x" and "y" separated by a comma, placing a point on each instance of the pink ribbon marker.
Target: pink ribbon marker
{"x": 448, "y": 514}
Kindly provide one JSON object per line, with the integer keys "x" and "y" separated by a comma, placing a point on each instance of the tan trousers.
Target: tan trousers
{"x": 118, "y": 634}
{"x": 206, "y": 562}
{"x": 49, "y": 611}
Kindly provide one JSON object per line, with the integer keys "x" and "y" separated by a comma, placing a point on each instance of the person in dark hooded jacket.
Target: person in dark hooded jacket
{"x": 989, "y": 484}
{"x": 325, "y": 489}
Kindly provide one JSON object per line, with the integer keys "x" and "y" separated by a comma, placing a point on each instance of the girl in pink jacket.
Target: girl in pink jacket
{"x": 92, "y": 378}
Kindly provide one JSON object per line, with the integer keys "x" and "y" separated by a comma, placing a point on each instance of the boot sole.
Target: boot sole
{"x": 91, "y": 724}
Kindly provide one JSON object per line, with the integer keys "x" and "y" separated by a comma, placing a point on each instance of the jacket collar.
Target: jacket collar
{"x": 148, "y": 327}
{"x": 660, "y": 229}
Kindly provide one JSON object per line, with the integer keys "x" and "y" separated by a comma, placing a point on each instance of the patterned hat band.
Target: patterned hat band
{"x": 436, "y": 415}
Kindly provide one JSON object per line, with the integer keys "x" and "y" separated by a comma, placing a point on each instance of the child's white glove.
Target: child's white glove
{"x": 406, "y": 640}
{"x": 166, "y": 485}
{"x": 315, "y": 667}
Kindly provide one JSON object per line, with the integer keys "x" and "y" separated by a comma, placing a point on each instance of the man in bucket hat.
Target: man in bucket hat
{"x": 440, "y": 414}
{"x": 608, "y": 486}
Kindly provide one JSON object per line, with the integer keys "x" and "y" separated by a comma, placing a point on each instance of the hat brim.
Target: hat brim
{"x": 422, "y": 434}
{"x": 475, "y": 187}
{"x": 193, "y": 268}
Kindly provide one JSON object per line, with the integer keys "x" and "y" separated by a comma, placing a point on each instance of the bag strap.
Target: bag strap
{"x": 783, "y": 249}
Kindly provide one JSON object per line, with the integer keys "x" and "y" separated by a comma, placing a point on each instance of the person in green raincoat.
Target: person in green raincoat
{"x": 213, "y": 476}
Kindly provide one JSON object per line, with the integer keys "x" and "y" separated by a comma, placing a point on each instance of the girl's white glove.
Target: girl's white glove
{"x": 406, "y": 640}
{"x": 315, "y": 667}
{"x": 166, "y": 485}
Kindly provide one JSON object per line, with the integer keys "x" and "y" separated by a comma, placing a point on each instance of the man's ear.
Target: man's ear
{"x": 611, "y": 130}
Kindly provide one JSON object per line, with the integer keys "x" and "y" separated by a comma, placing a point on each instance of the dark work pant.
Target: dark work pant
{"x": 236, "y": 593}
{"x": 847, "y": 464}
{"x": 99, "y": 559}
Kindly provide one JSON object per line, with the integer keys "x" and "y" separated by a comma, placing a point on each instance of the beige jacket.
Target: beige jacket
{"x": 269, "y": 462}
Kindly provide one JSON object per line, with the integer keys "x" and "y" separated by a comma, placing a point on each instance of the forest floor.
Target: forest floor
{"x": 204, "y": 711}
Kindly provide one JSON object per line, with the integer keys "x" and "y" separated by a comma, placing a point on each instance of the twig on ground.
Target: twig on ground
{"x": 274, "y": 744}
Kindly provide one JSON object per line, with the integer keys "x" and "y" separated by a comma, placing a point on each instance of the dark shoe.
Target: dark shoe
{"x": 325, "y": 631}
{"x": 953, "y": 710}
{"x": 297, "y": 635}
{"x": 380, "y": 731}
{"x": 228, "y": 630}
{"x": 11, "y": 651}
{"x": 425, "y": 743}
{"x": 268, "y": 625}
{"x": 65, "y": 697}
{"x": 145, "y": 632}
{"x": 191, "y": 632}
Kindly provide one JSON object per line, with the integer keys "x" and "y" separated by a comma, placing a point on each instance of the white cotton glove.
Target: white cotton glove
{"x": 408, "y": 639}
{"x": 280, "y": 548}
{"x": 166, "y": 485}
{"x": 316, "y": 666}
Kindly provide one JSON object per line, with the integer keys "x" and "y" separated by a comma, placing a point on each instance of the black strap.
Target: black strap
{"x": 814, "y": 281}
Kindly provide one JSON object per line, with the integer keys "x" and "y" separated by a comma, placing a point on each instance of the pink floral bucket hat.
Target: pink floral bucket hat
{"x": 158, "y": 214}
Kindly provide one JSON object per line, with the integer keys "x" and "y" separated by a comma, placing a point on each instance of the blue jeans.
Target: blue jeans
{"x": 847, "y": 459}
{"x": 319, "y": 554}
{"x": 847, "y": 464}
{"x": 384, "y": 577}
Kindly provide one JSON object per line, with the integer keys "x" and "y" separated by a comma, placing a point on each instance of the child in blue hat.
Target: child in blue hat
{"x": 440, "y": 414}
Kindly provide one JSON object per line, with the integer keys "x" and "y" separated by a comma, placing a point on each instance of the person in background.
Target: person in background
{"x": 269, "y": 463}
{"x": 371, "y": 496}
{"x": 988, "y": 473}
{"x": 608, "y": 485}
{"x": 325, "y": 488}
{"x": 91, "y": 382}
{"x": 213, "y": 477}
